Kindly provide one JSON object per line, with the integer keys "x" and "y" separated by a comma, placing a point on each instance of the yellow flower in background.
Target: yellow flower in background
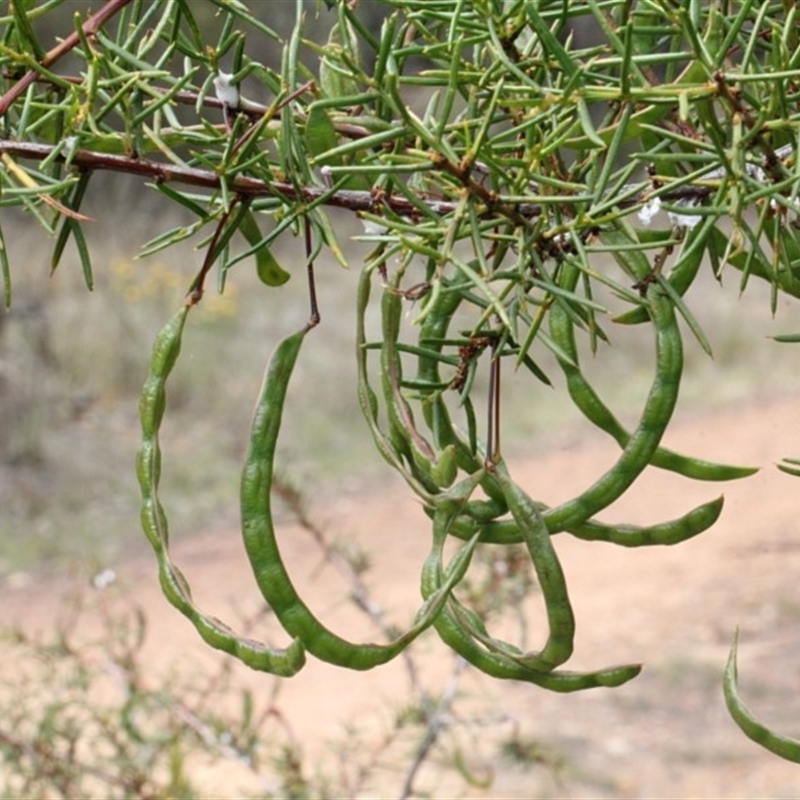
{"x": 225, "y": 305}
{"x": 140, "y": 280}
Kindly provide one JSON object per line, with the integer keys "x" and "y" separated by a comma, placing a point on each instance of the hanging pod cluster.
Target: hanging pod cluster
{"x": 460, "y": 476}
{"x": 527, "y": 150}
{"x": 466, "y": 486}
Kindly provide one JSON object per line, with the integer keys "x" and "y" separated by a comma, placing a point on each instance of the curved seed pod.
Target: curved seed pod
{"x": 368, "y": 398}
{"x": 507, "y": 531}
{"x": 152, "y": 405}
{"x": 644, "y": 441}
{"x": 560, "y": 619}
{"x": 456, "y": 634}
{"x": 592, "y": 407}
{"x": 674, "y": 531}
{"x": 422, "y": 460}
{"x": 262, "y": 547}
{"x": 782, "y": 746}
{"x": 791, "y": 466}
{"x": 433, "y": 333}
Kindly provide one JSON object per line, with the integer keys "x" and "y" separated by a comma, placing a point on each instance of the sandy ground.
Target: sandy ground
{"x": 665, "y": 734}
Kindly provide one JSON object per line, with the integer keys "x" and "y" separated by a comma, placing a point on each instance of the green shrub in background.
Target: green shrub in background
{"x": 86, "y": 714}
{"x": 497, "y": 154}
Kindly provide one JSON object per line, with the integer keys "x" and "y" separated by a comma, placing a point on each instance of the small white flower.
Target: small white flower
{"x": 649, "y": 210}
{"x": 685, "y": 220}
{"x": 226, "y": 91}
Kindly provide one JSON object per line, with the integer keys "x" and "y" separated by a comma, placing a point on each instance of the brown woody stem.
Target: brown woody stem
{"x": 249, "y": 187}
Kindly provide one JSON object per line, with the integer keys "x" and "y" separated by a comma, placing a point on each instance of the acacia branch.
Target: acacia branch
{"x": 357, "y": 201}
{"x": 185, "y": 97}
{"x": 242, "y": 185}
{"x": 90, "y": 27}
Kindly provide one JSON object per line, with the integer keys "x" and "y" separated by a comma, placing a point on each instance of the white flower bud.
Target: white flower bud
{"x": 649, "y": 210}
{"x": 226, "y": 91}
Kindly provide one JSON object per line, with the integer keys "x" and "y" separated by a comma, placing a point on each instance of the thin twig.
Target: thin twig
{"x": 90, "y": 27}
{"x": 437, "y": 723}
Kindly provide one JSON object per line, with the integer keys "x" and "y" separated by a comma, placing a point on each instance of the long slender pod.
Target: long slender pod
{"x": 507, "y": 531}
{"x": 560, "y": 619}
{"x": 644, "y": 441}
{"x": 262, "y": 547}
{"x": 588, "y": 402}
{"x": 455, "y": 633}
{"x": 424, "y": 464}
{"x": 152, "y": 405}
{"x": 782, "y": 746}
{"x": 368, "y": 397}
{"x": 433, "y": 333}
